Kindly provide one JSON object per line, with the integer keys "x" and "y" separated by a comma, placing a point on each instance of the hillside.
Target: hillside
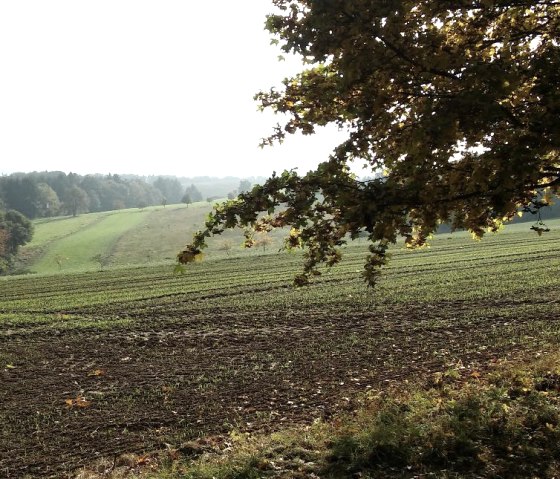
{"x": 129, "y": 237}
{"x": 133, "y": 237}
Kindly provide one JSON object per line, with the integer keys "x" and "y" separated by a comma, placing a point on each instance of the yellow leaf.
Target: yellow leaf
{"x": 82, "y": 402}
{"x": 79, "y": 401}
{"x": 143, "y": 460}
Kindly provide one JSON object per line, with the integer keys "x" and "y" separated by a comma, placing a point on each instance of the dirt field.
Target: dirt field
{"x": 129, "y": 359}
{"x": 79, "y": 394}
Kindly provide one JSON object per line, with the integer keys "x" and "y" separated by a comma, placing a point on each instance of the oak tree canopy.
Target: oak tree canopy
{"x": 454, "y": 106}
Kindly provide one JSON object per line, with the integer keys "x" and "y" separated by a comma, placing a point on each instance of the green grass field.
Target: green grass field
{"x": 99, "y": 363}
{"x": 122, "y": 238}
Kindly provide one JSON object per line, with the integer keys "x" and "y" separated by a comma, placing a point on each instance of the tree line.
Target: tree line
{"x": 46, "y": 194}
{"x": 25, "y": 196}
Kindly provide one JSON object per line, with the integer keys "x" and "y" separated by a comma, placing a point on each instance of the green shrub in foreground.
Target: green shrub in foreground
{"x": 505, "y": 428}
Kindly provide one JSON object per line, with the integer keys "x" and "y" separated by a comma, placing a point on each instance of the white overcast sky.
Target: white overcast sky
{"x": 144, "y": 87}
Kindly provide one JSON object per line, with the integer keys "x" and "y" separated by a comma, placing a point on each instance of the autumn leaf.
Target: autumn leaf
{"x": 173, "y": 454}
{"x": 143, "y": 460}
{"x": 79, "y": 402}
{"x": 189, "y": 255}
{"x": 82, "y": 402}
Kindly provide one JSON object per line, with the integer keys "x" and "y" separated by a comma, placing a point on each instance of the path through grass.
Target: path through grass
{"x": 88, "y": 247}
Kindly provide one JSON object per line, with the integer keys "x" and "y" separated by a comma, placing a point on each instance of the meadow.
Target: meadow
{"x": 122, "y": 238}
{"x": 98, "y": 360}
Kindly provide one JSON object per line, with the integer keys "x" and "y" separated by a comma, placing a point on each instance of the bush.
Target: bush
{"x": 499, "y": 429}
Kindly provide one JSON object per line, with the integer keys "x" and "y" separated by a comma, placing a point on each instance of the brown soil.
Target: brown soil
{"x": 179, "y": 374}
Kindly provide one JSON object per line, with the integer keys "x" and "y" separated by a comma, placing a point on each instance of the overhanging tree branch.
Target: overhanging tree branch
{"x": 409, "y": 97}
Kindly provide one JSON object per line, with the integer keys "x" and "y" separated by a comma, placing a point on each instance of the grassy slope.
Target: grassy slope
{"x": 160, "y": 236}
{"x": 117, "y": 238}
{"x": 77, "y": 251}
{"x": 51, "y": 230}
{"x": 123, "y": 238}
{"x": 166, "y": 230}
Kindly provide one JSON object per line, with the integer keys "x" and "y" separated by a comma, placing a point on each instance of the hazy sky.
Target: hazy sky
{"x": 145, "y": 87}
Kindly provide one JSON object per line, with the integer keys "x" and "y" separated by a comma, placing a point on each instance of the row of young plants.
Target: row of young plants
{"x": 508, "y": 264}
{"x": 233, "y": 321}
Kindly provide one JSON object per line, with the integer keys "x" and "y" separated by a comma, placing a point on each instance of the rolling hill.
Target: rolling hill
{"x": 123, "y": 238}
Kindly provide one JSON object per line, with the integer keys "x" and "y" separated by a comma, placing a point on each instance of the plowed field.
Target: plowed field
{"x": 128, "y": 360}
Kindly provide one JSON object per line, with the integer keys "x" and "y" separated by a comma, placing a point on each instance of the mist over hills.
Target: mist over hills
{"x": 207, "y": 185}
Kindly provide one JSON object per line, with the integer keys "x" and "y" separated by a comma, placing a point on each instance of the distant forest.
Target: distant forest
{"x": 45, "y": 194}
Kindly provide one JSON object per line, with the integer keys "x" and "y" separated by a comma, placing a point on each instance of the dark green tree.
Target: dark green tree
{"x": 186, "y": 199}
{"x": 40, "y": 194}
{"x": 140, "y": 192}
{"x": 15, "y": 231}
{"x": 76, "y": 201}
{"x": 454, "y": 106}
{"x": 93, "y": 186}
{"x": 22, "y": 194}
{"x": 114, "y": 193}
{"x": 48, "y": 203}
{"x": 244, "y": 186}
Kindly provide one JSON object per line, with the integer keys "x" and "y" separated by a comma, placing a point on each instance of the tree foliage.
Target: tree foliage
{"x": 244, "y": 186}
{"x": 75, "y": 201}
{"x": 170, "y": 189}
{"x": 453, "y": 106}
{"x": 48, "y": 202}
{"x": 193, "y": 193}
{"x": 44, "y": 194}
{"x": 186, "y": 199}
{"x": 15, "y": 231}
{"x": 21, "y": 194}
